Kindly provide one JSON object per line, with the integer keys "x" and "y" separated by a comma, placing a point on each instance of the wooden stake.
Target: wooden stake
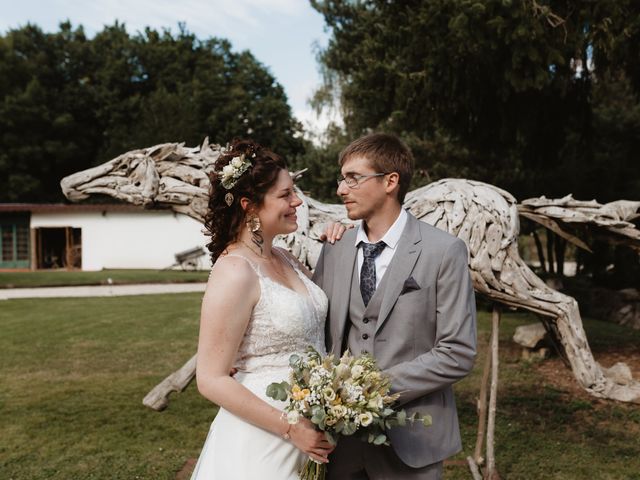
{"x": 491, "y": 472}
{"x": 475, "y": 472}
{"x": 482, "y": 410}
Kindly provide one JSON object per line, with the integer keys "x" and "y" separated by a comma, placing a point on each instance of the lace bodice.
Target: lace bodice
{"x": 283, "y": 322}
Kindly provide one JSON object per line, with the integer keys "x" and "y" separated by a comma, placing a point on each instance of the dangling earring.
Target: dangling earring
{"x": 253, "y": 223}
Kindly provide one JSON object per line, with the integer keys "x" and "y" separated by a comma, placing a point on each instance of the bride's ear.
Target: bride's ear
{"x": 246, "y": 204}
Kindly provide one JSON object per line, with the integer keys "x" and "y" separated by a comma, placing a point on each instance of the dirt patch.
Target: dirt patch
{"x": 187, "y": 469}
{"x": 560, "y": 376}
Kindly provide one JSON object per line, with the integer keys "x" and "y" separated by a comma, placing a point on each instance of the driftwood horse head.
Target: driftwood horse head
{"x": 484, "y": 216}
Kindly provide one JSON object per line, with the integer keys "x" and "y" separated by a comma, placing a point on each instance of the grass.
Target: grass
{"x": 74, "y": 371}
{"x": 73, "y": 374}
{"x": 53, "y": 278}
{"x": 546, "y": 426}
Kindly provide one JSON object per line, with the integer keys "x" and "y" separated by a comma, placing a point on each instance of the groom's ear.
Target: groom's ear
{"x": 392, "y": 182}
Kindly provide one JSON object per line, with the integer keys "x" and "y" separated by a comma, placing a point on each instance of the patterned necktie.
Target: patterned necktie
{"x": 368, "y": 271}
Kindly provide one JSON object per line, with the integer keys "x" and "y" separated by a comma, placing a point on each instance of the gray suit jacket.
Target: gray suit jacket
{"x": 425, "y": 335}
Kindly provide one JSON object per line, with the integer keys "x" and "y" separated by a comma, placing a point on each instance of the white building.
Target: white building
{"x": 95, "y": 237}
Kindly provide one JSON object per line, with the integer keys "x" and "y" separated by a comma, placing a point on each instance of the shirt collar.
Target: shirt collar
{"x": 392, "y": 237}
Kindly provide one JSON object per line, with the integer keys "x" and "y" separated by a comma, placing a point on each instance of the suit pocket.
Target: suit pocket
{"x": 415, "y": 291}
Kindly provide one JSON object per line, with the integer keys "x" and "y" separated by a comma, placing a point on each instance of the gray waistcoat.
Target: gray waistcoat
{"x": 362, "y": 321}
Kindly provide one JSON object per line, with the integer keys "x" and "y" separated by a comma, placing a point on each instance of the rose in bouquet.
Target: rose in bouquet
{"x": 341, "y": 396}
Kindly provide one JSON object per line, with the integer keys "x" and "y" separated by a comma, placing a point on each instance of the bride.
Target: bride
{"x": 259, "y": 307}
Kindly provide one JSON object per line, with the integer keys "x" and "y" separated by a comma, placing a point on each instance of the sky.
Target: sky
{"x": 283, "y": 35}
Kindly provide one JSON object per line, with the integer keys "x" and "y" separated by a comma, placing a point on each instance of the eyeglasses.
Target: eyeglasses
{"x": 353, "y": 180}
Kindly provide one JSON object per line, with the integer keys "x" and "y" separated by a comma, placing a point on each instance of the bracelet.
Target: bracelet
{"x": 286, "y": 435}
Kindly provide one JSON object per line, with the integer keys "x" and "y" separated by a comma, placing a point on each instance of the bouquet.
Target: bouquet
{"x": 341, "y": 396}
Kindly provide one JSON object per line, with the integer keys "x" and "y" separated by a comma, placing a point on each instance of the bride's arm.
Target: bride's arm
{"x": 231, "y": 293}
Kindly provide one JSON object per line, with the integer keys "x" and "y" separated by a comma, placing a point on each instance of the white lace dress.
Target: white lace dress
{"x": 283, "y": 322}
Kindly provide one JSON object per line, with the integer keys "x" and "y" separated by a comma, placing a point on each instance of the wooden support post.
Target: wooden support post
{"x": 482, "y": 410}
{"x": 492, "y": 472}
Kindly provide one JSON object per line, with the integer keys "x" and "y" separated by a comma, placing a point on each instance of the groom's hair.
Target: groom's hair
{"x": 386, "y": 153}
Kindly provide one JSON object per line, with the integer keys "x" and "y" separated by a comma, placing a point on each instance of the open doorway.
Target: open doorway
{"x": 58, "y": 247}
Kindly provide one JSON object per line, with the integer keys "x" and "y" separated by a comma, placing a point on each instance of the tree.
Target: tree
{"x": 496, "y": 90}
{"x": 69, "y": 102}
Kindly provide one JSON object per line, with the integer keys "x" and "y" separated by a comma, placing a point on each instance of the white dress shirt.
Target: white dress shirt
{"x": 391, "y": 239}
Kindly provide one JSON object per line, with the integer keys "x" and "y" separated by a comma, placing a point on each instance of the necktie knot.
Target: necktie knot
{"x": 372, "y": 250}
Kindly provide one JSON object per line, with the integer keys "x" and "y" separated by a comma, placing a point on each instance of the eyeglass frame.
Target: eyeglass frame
{"x": 358, "y": 177}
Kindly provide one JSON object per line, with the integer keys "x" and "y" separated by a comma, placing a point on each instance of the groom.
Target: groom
{"x": 400, "y": 290}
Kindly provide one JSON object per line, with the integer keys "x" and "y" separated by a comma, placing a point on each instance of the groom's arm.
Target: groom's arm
{"x": 454, "y": 351}
{"x": 318, "y": 273}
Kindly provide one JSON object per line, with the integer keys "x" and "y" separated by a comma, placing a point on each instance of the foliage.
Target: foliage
{"x": 70, "y": 102}
{"x": 496, "y": 90}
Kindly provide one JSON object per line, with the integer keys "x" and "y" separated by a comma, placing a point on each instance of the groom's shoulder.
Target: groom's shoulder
{"x": 347, "y": 241}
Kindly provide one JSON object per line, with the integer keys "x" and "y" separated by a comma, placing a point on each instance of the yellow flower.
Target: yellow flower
{"x": 299, "y": 394}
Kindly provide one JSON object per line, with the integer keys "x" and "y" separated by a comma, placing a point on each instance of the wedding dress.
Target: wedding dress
{"x": 283, "y": 322}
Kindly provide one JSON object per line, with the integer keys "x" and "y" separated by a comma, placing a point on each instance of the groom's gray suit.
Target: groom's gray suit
{"x": 420, "y": 326}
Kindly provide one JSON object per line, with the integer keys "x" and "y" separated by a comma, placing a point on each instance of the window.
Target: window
{"x": 14, "y": 242}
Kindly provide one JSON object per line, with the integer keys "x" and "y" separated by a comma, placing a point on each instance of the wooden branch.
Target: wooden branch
{"x": 492, "y": 472}
{"x": 482, "y": 409}
{"x": 158, "y": 398}
{"x": 475, "y": 472}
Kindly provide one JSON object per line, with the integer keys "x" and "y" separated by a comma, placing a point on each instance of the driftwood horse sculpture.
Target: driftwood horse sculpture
{"x": 485, "y": 217}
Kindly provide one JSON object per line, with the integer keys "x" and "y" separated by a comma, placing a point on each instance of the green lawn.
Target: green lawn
{"x": 73, "y": 373}
{"x": 53, "y": 278}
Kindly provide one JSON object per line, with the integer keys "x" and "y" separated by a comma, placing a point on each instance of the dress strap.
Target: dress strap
{"x": 253, "y": 265}
{"x": 286, "y": 258}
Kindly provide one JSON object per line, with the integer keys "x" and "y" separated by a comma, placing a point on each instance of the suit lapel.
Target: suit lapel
{"x": 341, "y": 290}
{"x": 404, "y": 259}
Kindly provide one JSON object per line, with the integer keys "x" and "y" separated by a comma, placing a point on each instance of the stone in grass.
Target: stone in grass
{"x": 619, "y": 373}
{"x": 533, "y": 338}
{"x": 530, "y": 335}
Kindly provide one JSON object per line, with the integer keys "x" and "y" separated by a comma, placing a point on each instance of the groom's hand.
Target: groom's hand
{"x": 311, "y": 441}
{"x": 333, "y": 232}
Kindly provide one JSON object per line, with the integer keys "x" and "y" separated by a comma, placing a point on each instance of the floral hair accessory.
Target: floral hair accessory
{"x": 234, "y": 170}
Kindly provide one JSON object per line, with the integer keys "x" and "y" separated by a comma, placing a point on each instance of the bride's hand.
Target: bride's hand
{"x": 311, "y": 441}
{"x": 333, "y": 231}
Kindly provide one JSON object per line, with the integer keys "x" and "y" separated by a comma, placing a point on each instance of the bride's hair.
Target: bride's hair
{"x": 224, "y": 221}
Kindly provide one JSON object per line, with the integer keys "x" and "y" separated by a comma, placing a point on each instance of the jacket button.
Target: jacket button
{"x": 365, "y": 336}
{"x": 365, "y": 320}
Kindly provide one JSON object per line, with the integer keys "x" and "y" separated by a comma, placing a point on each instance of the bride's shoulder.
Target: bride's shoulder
{"x": 234, "y": 270}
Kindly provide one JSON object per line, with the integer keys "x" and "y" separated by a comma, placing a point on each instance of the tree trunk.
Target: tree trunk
{"x": 541, "y": 258}
{"x": 550, "y": 256}
{"x": 560, "y": 245}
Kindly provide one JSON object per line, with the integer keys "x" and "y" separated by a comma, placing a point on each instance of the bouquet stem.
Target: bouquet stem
{"x": 313, "y": 470}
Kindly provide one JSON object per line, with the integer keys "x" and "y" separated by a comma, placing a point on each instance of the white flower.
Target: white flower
{"x": 293, "y": 417}
{"x": 342, "y": 371}
{"x": 329, "y": 394}
{"x": 238, "y": 161}
{"x": 365, "y": 419}
{"x": 375, "y": 403}
{"x": 338, "y": 411}
{"x": 228, "y": 170}
{"x": 357, "y": 371}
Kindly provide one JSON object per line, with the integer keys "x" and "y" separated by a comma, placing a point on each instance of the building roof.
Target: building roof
{"x": 63, "y": 207}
